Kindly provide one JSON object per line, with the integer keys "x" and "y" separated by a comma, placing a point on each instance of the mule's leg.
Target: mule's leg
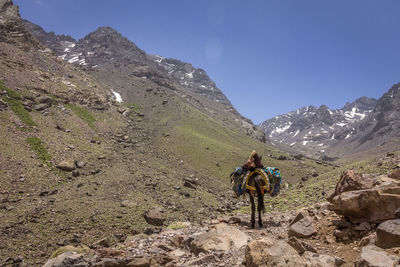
{"x": 260, "y": 209}
{"x": 253, "y": 211}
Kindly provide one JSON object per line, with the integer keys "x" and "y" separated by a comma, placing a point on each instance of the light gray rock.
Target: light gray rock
{"x": 67, "y": 259}
{"x": 222, "y": 238}
{"x": 303, "y": 228}
{"x": 372, "y": 256}
{"x": 66, "y": 165}
{"x": 270, "y": 252}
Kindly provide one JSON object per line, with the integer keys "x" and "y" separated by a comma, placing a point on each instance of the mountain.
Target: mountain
{"x": 314, "y": 130}
{"x": 359, "y": 127}
{"x": 77, "y": 165}
{"x": 105, "y": 49}
{"x": 381, "y": 128}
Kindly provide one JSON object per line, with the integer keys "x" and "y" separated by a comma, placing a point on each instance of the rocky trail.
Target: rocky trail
{"x": 315, "y": 236}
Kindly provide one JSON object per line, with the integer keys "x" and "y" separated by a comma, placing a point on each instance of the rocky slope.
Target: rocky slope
{"x": 76, "y": 165}
{"x": 364, "y": 124}
{"x": 319, "y": 235}
{"x": 107, "y": 50}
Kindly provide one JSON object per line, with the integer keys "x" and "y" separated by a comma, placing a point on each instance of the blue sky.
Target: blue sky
{"x": 268, "y": 57}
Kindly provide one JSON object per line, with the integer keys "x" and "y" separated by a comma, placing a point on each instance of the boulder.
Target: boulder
{"x": 372, "y": 256}
{"x": 303, "y": 228}
{"x": 371, "y": 205}
{"x": 44, "y": 99}
{"x": 270, "y": 252}
{"x": 66, "y": 165}
{"x": 222, "y": 238}
{"x": 388, "y": 234}
{"x": 350, "y": 181}
{"x": 395, "y": 174}
{"x": 66, "y": 259}
{"x": 302, "y": 214}
{"x": 40, "y": 107}
{"x": 155, "y": 217}
{"x": 320, "y": 260}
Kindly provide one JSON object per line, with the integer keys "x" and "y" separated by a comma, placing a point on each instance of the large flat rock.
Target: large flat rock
{"x": 222, "y": 238}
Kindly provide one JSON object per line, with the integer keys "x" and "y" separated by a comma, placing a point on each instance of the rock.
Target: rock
{"x": 128, "y": 204}
{"x": 369, "y": 240}
{"x": 66, "y": 166}
{"x": 207, "y": 259}
{"x": 133, "y": 241}
{"x": 341, "y": 224}
{"x": 295, "y": 243}
{"x": 155, "y": 217}
{"x": 343, "y": 234}
{"x": 189, "y": 184}
{"x": 319, "y": 260}
{"x": 3, "y": 105}
{"x": 79, "y": 164}
{"x": 388, "y": 234}
{"x": 177, "y": 253}
{"x": 395, "y": 174}
{"x": 40, "y": 107}
{"x": 121, "y": 110}
{"x": 350, "y": 181}
{"x": 271, "y": 252}
{"x": 44, "y": 99}
{"x": 281, "y": 157}
{"x": 364, "y": 226}
{"x": 66, "y": 259}
{"x": 302, "y": 228}
{"x": 302, "y": 214}
{"x": 104, "y": 242}
{"x": 372, "y": 256}
{"x": 397, "y": 214}
{"x": 222, "y": 238}
{"x": 369, "y": 205}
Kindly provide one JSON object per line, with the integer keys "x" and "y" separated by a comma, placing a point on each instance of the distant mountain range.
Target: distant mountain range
{"x": 358, "y": 126}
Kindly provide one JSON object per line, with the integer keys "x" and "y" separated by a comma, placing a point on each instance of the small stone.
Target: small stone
{"x": 155, "y": 217}
{"x": 80, "y": 164}
{"x": 40, "y": 107}
{"x": 104, "y": 242}
{"x": 364, "y": 226}
{"x": 66, "y": 166}
{"x": 397, "y": 214}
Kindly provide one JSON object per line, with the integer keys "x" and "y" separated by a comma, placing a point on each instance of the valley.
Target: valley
{"x": 101, "y": 141}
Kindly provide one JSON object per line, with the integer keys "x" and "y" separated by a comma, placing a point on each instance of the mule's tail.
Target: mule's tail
{"x": 260, "y": 196}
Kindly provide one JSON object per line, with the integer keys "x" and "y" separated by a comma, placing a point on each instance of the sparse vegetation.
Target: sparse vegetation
{"x": 178, "y": 225}
{"x": 37, "y": 146}
{"x": 84, "y": 114}
{"x": 14, "y": 100}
